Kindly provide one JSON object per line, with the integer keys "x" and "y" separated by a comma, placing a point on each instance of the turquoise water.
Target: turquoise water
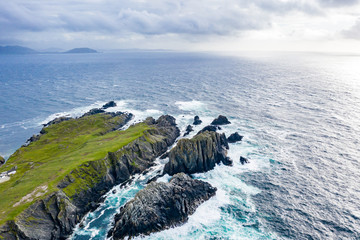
{"x": 299, "y": 114}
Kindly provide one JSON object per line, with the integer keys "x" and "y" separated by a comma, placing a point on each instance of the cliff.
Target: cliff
{"x": 160, "y": 206}
{"x": 199, "y": 154}
{"x": 62, "y": 174}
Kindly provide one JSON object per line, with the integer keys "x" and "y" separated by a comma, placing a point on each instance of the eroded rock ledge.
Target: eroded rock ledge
{"x": 160, "y": 206}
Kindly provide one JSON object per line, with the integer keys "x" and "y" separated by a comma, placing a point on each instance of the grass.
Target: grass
{"x": 63, "y": 148}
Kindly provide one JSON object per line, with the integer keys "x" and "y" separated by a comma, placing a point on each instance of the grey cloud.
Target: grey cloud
{"x": 157, "y": 17}
{"x": 18, "y": 17}
{"x": 338, "y": 3}
{"x": 353, "y": 32}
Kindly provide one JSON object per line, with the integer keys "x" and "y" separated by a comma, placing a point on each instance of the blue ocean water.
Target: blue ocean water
{"x": 299, "y": 113}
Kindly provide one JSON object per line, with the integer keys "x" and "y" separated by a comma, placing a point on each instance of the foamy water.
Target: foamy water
{"x": 299, "y": 114}
{"x": 211, "y": 217}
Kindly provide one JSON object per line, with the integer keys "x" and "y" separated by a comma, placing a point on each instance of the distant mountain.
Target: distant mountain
{"x": 16, "y": 50}
{"x": 81, "y": 50}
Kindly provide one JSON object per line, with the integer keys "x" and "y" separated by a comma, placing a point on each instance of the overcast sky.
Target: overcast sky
{"x": 230, "y": 25}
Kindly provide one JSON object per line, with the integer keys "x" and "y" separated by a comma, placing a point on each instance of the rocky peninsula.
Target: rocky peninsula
{"x": 63, "y": 172}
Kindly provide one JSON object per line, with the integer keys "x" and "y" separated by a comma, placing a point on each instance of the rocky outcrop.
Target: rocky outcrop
{"x": 220, "y": 120}
{"x": 243, "y": 160}
{"x": 57, "y": 120}
{"x": 2, "y": 161}
{"x": 189, "y": 129}
{"x": 208, "y": 128}
{"x": 235, "y": 137}
{"x": 93, "y": 111}
{"x": 55, "y": 216}
{"x": 197, "y": 120}
{"x": 160, "y": 206}
{"x": 109, "y": 105}
{"x": 199, "y": 154}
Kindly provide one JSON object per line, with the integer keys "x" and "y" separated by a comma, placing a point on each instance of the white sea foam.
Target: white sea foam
{"x": 75, "y": 112}
{"x": 191, "y": 105}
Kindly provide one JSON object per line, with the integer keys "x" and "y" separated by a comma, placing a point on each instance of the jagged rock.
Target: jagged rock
{"x": 93, "y": 111}
{"x": 51, "y": 218}
{"x": 57, "y": 120}
{"x": 160, "y": 206}
{"x": 2, "y": 160}
{"x": 189, "y": 129}
{"x": 199, "y": 154}
{"x": 197, "y": 120}
{"x": 220, "y": 120}
{"x": 235, "y": 137}
{"x": 243, "y": 160}
{"x": 208, "y": 128}
{"x": 227, "y": 161}
{"x": 109, "y": 105}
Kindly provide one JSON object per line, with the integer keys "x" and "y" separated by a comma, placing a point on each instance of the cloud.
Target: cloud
{"x": 338, "y": 3}
{"x": 23, "y": 20}
{"x": 144, "y": 17}
{"x": 353, "y": 32}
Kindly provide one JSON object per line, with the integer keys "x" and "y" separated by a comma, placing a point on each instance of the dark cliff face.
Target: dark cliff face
{"x": 55, "y": 216}
{"x": 51, "y": 218}
{"x": 199, "y": 154}
{"x": 160, "y": 206}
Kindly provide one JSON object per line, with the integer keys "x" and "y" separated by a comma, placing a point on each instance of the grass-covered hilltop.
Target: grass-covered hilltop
{"x": 53, "y": 181}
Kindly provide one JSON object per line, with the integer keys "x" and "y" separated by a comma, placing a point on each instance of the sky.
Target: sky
{"x": 204, "y": 25}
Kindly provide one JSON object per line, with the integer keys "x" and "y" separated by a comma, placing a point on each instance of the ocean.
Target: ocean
{"x": 299, "y": 114}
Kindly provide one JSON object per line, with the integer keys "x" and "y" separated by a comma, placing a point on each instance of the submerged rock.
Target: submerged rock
{"x": 199, "y": 154}
{"x": 160, "y": 206}
{"x": 109, "y": 105}
{"x": 243, "y": 160}
{"x": 235, "y": 137}
{"x": 189, "y": 129}
{"x": 220, "y": 120}
{"x": 197, "y": 120}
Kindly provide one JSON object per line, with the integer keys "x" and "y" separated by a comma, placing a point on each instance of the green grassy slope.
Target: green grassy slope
{"x": 65, "y": 146}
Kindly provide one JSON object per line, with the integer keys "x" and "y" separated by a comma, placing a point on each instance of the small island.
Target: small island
{"x": 81, "y": 50}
